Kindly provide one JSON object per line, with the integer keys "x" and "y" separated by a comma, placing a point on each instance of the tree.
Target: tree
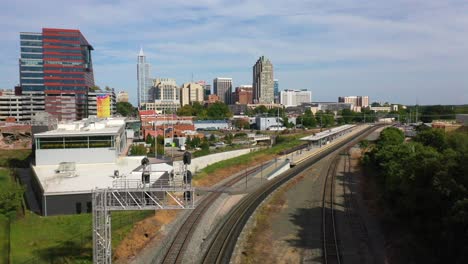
{"x": 432, "y": 137}
{"x": 307, "y": 120}
{"x": 324, "y": 119}
{"x": 108, "y": 88}
{"x": 94, "y": 88}
{"x": 11, "y": 197}
{"x": 260, "y": 109}
{"x": 242, "y": 124}
{"x": 218, "y": 111}
{"x": 137, "y": 150}
{"x": 391, "y": 136}
{"x": 186, "y": 110}
{"x": 212, "y": 138}
{"x": 126, "y": 109}
{"x": 347, "y": 115}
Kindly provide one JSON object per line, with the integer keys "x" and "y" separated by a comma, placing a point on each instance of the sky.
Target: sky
{"x": 399, "y": 51}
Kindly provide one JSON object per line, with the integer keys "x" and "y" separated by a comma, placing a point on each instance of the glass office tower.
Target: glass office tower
{"x": 57, "y": 65}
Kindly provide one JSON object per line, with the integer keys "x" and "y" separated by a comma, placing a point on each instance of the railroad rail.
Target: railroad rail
{"x": 222, "y": 246}
{"x": 330, "y": 243}
{"x": 176, "y": 251}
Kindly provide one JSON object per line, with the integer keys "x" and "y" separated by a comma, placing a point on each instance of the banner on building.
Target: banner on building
{"x": 103, "y": 105}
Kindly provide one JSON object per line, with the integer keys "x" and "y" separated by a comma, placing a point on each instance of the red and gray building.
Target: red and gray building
{"x": 56, "y": 72}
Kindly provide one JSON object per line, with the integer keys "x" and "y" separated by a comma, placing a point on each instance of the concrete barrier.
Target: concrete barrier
{"x": 282, "y": 168}
{"x": 200, "y": 163}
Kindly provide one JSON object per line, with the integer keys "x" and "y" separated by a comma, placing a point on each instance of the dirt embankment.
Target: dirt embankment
{"x": 142, "y": 233}
{"x": 223, "y": 173}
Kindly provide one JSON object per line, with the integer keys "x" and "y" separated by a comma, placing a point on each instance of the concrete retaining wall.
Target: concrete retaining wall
{"x": 284, "y": 167}
{"x": 202, "y": 162}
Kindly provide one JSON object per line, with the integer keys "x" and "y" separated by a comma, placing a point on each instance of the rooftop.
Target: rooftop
{"x": 88, "y": 126}
{"x": 82, "y": 178}
{"x": 327, "y": 133}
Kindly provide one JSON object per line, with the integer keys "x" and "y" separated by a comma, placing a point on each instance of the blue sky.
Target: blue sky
{"x": 399, "y": 51}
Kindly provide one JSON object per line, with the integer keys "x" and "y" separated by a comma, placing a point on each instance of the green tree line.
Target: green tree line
{"x": 424, "y": 187}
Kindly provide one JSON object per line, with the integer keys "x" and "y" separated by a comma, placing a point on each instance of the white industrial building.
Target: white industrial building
{"x": 268, "y": 123}
{"x": 290, "y": 98}
{"x": 80, "y": 156}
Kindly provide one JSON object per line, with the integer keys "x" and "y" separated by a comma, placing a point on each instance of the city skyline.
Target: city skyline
{"x": 392, "y": 51}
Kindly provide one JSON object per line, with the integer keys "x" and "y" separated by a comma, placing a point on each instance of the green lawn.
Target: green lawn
{"x": 63, "y": 239}
{"x": 4, "y": 238}
{"x": 14, "y": 157}
{"x": 4, "y": 177}
{"x": 290, "y": 142}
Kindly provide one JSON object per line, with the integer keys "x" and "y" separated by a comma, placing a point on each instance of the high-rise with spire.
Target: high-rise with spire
{"x": 143, "y": 78}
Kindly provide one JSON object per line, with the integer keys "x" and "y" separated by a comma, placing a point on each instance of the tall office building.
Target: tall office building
{"x": 276, "y": 90}
{"x": 263, "y": 83}
{"x": 144, "y": 80}
{"x": 222, "y": 87}
{"x": 191, "y": 93}
{"x": 290, "y": 98}
{"x": 56, "y": 66}
{"x": 165, "y": 94}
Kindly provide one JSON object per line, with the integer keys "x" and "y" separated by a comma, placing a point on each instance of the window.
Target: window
{"x": 38, "y": 81}
{"x": 78, "y": 208}
{"x": 31, "y": 56}
{"x": 30, "y": 37}
{"x": 31, "y": 43}
{"x": 31, "y": 61}
{"x": 76, "y": 142}
{"x": 38, "y": 49}
{"x": 50, "y": 143}
{"x": 101, "y": 141}
{"x": 32, "y": 74}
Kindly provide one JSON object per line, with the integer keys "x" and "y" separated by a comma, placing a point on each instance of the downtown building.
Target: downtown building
{"x": 56, "y": 72}
{"x": 144, "y": 80}
{"x": 242, "y": 95}
{"x": 222, "y": 87}
{"x": 93, "y": 97}
{"x": 290, "y": 98}
{"x": 263, "y": 82}
{"x": 191, "y": 93}
{"x": 164, "y": 95}
{"x": 358, "y": 102}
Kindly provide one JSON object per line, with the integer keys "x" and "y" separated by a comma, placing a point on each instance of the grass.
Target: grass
{"x": 214, "y": 172}
{"x": 4, "y": 238}
{"x": 14, "y": 157}
{"x": 63, "y": 239}
{"x": 4, "y": 177}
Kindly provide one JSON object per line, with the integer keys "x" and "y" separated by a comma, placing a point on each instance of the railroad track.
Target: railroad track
{"x": 222, "y": 246}
{"x": 176, "y": 251}
{"x": 330, "y": 242}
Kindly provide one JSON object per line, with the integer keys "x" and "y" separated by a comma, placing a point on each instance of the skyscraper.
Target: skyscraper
{"x": 276, "y": 87}
{"x": 263, "y": 92}
{"x": 56, "y": 67}
{"x": 276, "y": 90}
{"x": 222, "y": 87}
{"x": 144, "y": 79}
